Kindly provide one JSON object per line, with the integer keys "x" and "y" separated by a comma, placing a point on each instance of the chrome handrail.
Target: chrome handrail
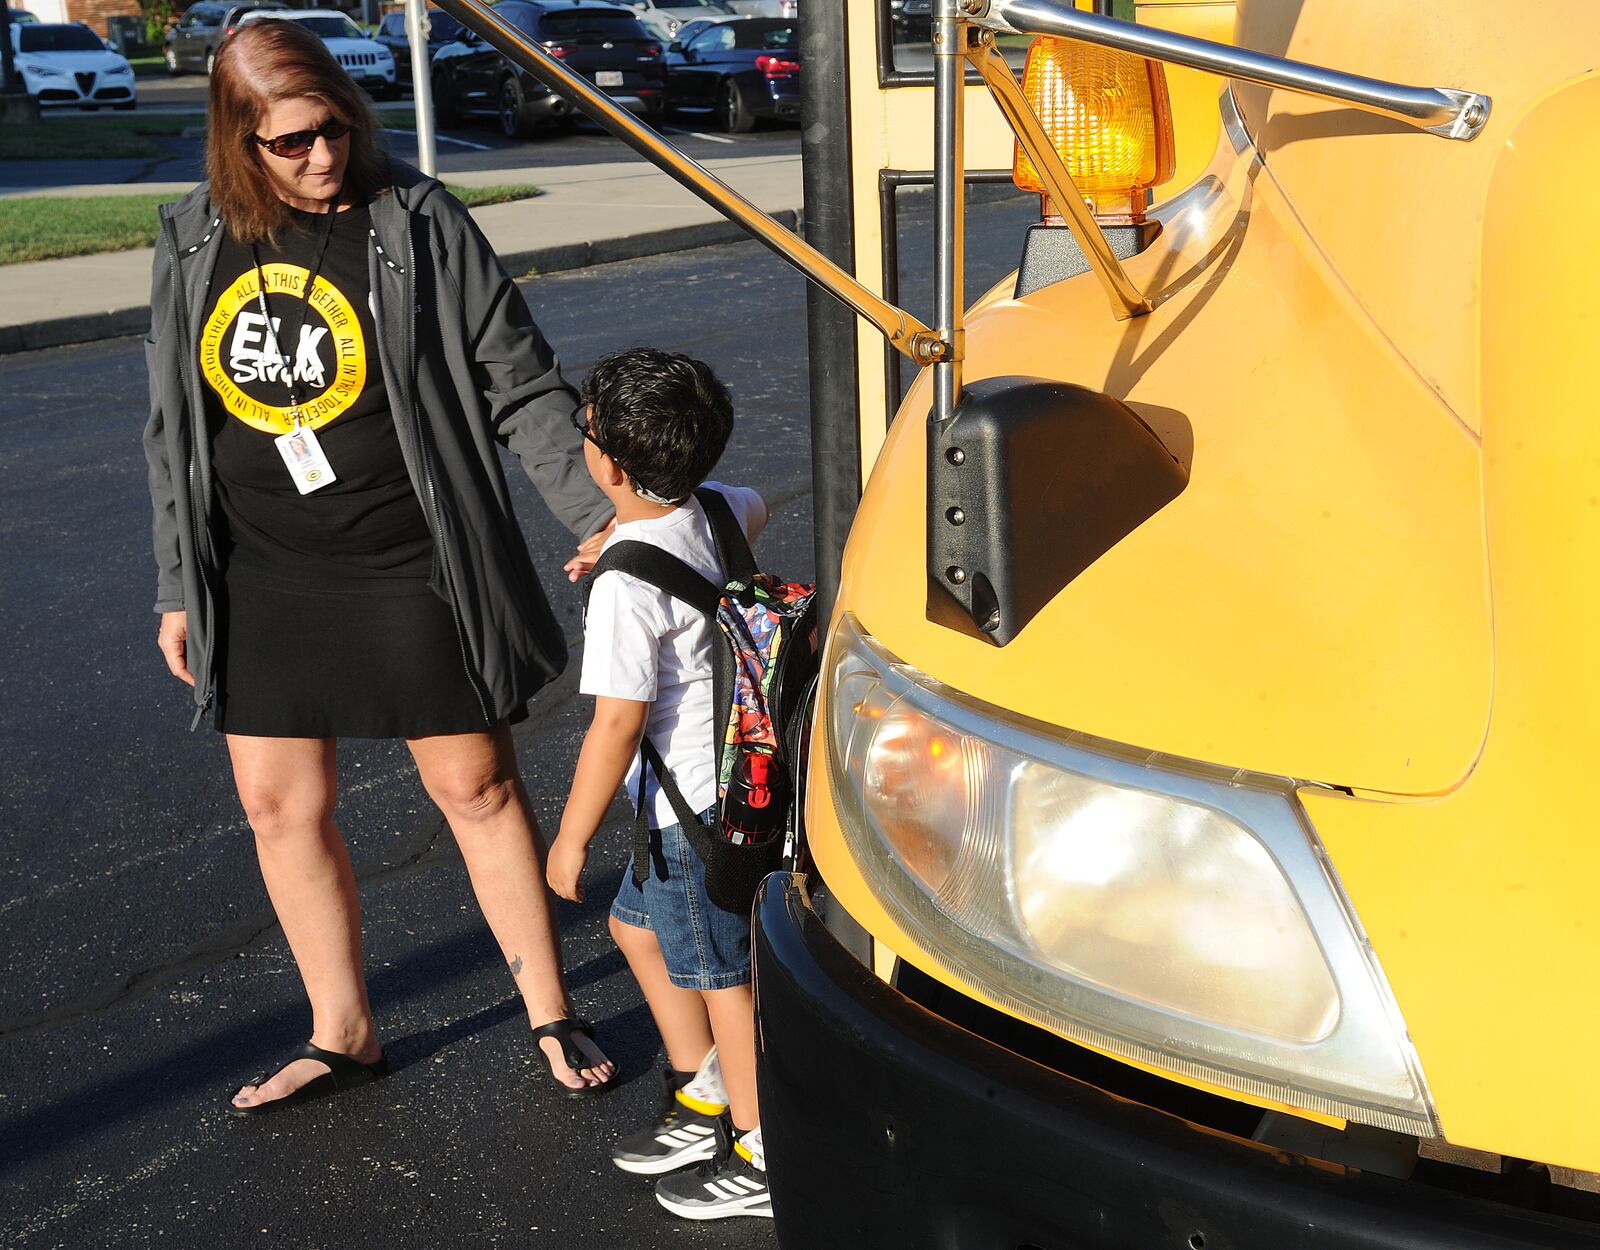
{"x": 908, "y": 335}
{"x": 1442, "y": 111}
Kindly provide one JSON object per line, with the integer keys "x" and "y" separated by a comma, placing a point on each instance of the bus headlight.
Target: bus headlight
{"x": 1178, "y": 914}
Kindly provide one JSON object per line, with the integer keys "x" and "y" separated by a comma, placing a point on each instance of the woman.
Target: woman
{"x": 334, "y": 353}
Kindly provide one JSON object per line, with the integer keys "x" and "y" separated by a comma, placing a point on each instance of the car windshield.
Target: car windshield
{"x": 766, "y": 34}
{"x": 40, "y": 38}
{"x": 331, "y": 27}
{"x": 576, "y": 23}
{"x": 441, "y": 26}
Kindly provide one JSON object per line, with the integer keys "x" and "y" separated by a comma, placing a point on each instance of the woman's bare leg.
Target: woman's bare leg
{"x": 680, "y": 1014}
{"x": 733, "y": 1024}
{"x": 287, "y": 787}
{"x": 474, "y": 780}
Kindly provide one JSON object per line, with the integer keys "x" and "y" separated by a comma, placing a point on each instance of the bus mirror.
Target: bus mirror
{"x": 1029, "y": 483}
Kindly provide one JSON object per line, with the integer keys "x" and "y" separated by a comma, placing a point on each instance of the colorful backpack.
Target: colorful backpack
{"x": 762, "y": 676}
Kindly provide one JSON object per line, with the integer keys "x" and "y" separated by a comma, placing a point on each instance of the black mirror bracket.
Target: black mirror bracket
{"x": 1029, "y": 483}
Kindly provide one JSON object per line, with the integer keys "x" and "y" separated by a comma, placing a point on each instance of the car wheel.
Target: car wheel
{"x": 733, "y": 113}
{"x": 513, "y": 110}
{"x": 211, "y": 63}
{"x": 173, "y": 67}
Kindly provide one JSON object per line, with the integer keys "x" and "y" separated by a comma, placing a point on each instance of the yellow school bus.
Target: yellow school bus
{"x": 1201, "y": 852}
{"x": 1235, "y": 889}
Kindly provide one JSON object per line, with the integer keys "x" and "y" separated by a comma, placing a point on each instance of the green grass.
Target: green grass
{"x": 46, "y": 227}
{"x": 479, "y": 197}
{"x": 152, "y": 66}
{"x": 100, "y": 136}
{"x": 49, "y": 226}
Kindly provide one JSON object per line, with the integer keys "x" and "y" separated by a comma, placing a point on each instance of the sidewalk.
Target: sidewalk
{"x": 588, "y": 215}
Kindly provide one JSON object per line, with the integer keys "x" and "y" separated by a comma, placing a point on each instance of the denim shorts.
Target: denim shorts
{"x": 705, "y": 947}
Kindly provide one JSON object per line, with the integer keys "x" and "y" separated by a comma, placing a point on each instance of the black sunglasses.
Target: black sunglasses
{"x": 581, "y": 424}
{"x": 299, "y": 142}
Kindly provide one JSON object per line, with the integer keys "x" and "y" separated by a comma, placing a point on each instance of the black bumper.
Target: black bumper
{"x": 885, "y": 1126}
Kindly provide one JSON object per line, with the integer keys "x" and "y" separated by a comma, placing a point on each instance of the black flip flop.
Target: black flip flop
{"x": 344, "y": 1072}
{"x": 562, "y": 1031}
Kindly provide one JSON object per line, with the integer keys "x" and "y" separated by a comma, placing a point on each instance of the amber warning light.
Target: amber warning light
{"x": 1108, "y": 117}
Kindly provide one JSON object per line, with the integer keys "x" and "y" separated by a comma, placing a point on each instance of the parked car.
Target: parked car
{"x": 391, "y": 33}
{"x": 603, "y": 42}
{"x": 743, "y": 71}
{"x": 912, "y": 20}
{"x": 67, "y": 64}
{"x": 192, "y": 44}
{"x": 21, "y": 16}
{"x": 695, "y": 25}
{"x": 666, "y": 17}
{"x": 764, "y": 8}
{"x": 361, "y": 56}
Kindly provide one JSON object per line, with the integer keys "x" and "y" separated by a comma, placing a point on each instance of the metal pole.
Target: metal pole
{"x": 7, "y": 71}
{"x": 831, "y": 327}
{"x": 1443, "y": 111}
{"x": 421, "y": 84}
{"x": 949, "y": 86}
{"x": 1126, "y": 298}
{"x": 904, "y": 332}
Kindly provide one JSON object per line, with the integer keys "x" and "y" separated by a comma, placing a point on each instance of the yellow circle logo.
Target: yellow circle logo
{"x": 328, "y": 363}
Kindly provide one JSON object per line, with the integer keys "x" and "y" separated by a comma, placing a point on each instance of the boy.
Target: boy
{"x": 654, "y": 425}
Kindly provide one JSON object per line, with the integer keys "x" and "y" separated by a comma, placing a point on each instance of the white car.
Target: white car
{"x": 666, "y": 17}
{"x": 361, "y": 56}
{"x": 67, "y": 65}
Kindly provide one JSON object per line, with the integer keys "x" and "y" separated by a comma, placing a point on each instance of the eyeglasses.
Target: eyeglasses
{"x": 580, "y": 422}
{"x": 298, "y": 142}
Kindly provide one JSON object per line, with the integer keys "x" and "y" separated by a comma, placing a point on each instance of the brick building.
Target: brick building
{"x": 90, "y": 12}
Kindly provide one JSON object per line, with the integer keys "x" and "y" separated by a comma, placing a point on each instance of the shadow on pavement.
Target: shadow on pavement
{"x": 226, "y": 1059}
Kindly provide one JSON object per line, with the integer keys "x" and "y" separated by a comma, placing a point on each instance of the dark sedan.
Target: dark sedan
{"x": 742, "y": 71}
{"x": 603, "y": 42}
{"x": 391, "y": 33}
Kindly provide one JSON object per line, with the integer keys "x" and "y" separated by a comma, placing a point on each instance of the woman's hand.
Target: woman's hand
{"x": 173, "y": 641}
{"x": 589, "y": 552}
{"x": 565, "y": 866}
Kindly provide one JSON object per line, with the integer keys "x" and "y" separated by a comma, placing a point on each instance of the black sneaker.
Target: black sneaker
{"x": 685, "y": 1132}
{"x": 727, "y": 1184}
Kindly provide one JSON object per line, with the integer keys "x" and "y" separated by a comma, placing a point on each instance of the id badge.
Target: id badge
{"x": 303, "y": 454}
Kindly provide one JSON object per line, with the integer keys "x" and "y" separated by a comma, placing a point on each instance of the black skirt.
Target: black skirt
{"x": 379, "y": 658}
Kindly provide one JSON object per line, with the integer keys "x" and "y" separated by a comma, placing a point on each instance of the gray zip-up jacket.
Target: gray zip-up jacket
{"x": 464, "y": 366}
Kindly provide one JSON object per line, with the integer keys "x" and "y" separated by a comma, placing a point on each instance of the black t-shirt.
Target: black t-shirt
{"x": 367, "y": 523}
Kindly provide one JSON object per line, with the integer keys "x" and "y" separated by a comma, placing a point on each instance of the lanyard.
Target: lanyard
{"x": 285, "y": 359}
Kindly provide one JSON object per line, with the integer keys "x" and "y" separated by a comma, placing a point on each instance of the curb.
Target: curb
{"x": 121, "y": 322}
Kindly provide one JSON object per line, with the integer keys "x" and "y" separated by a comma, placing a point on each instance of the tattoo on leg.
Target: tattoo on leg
{"x": 516, "y": 966}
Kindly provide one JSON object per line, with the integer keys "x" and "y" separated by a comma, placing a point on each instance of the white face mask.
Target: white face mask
{"x": 649, "y": 496}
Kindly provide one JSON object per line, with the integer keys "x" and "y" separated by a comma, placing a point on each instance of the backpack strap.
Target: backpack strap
{"x": 733, "y": 548}
{"x": 671, "y": 576}
{"x": 686, "y": 816}
{"x": 660, "y": 569}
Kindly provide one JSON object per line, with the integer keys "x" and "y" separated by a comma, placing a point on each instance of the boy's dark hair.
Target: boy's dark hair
{"x": 663, "y": 417}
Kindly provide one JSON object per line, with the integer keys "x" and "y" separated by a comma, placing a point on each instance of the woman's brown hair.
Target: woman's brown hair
{"x": 268, "y": 61}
